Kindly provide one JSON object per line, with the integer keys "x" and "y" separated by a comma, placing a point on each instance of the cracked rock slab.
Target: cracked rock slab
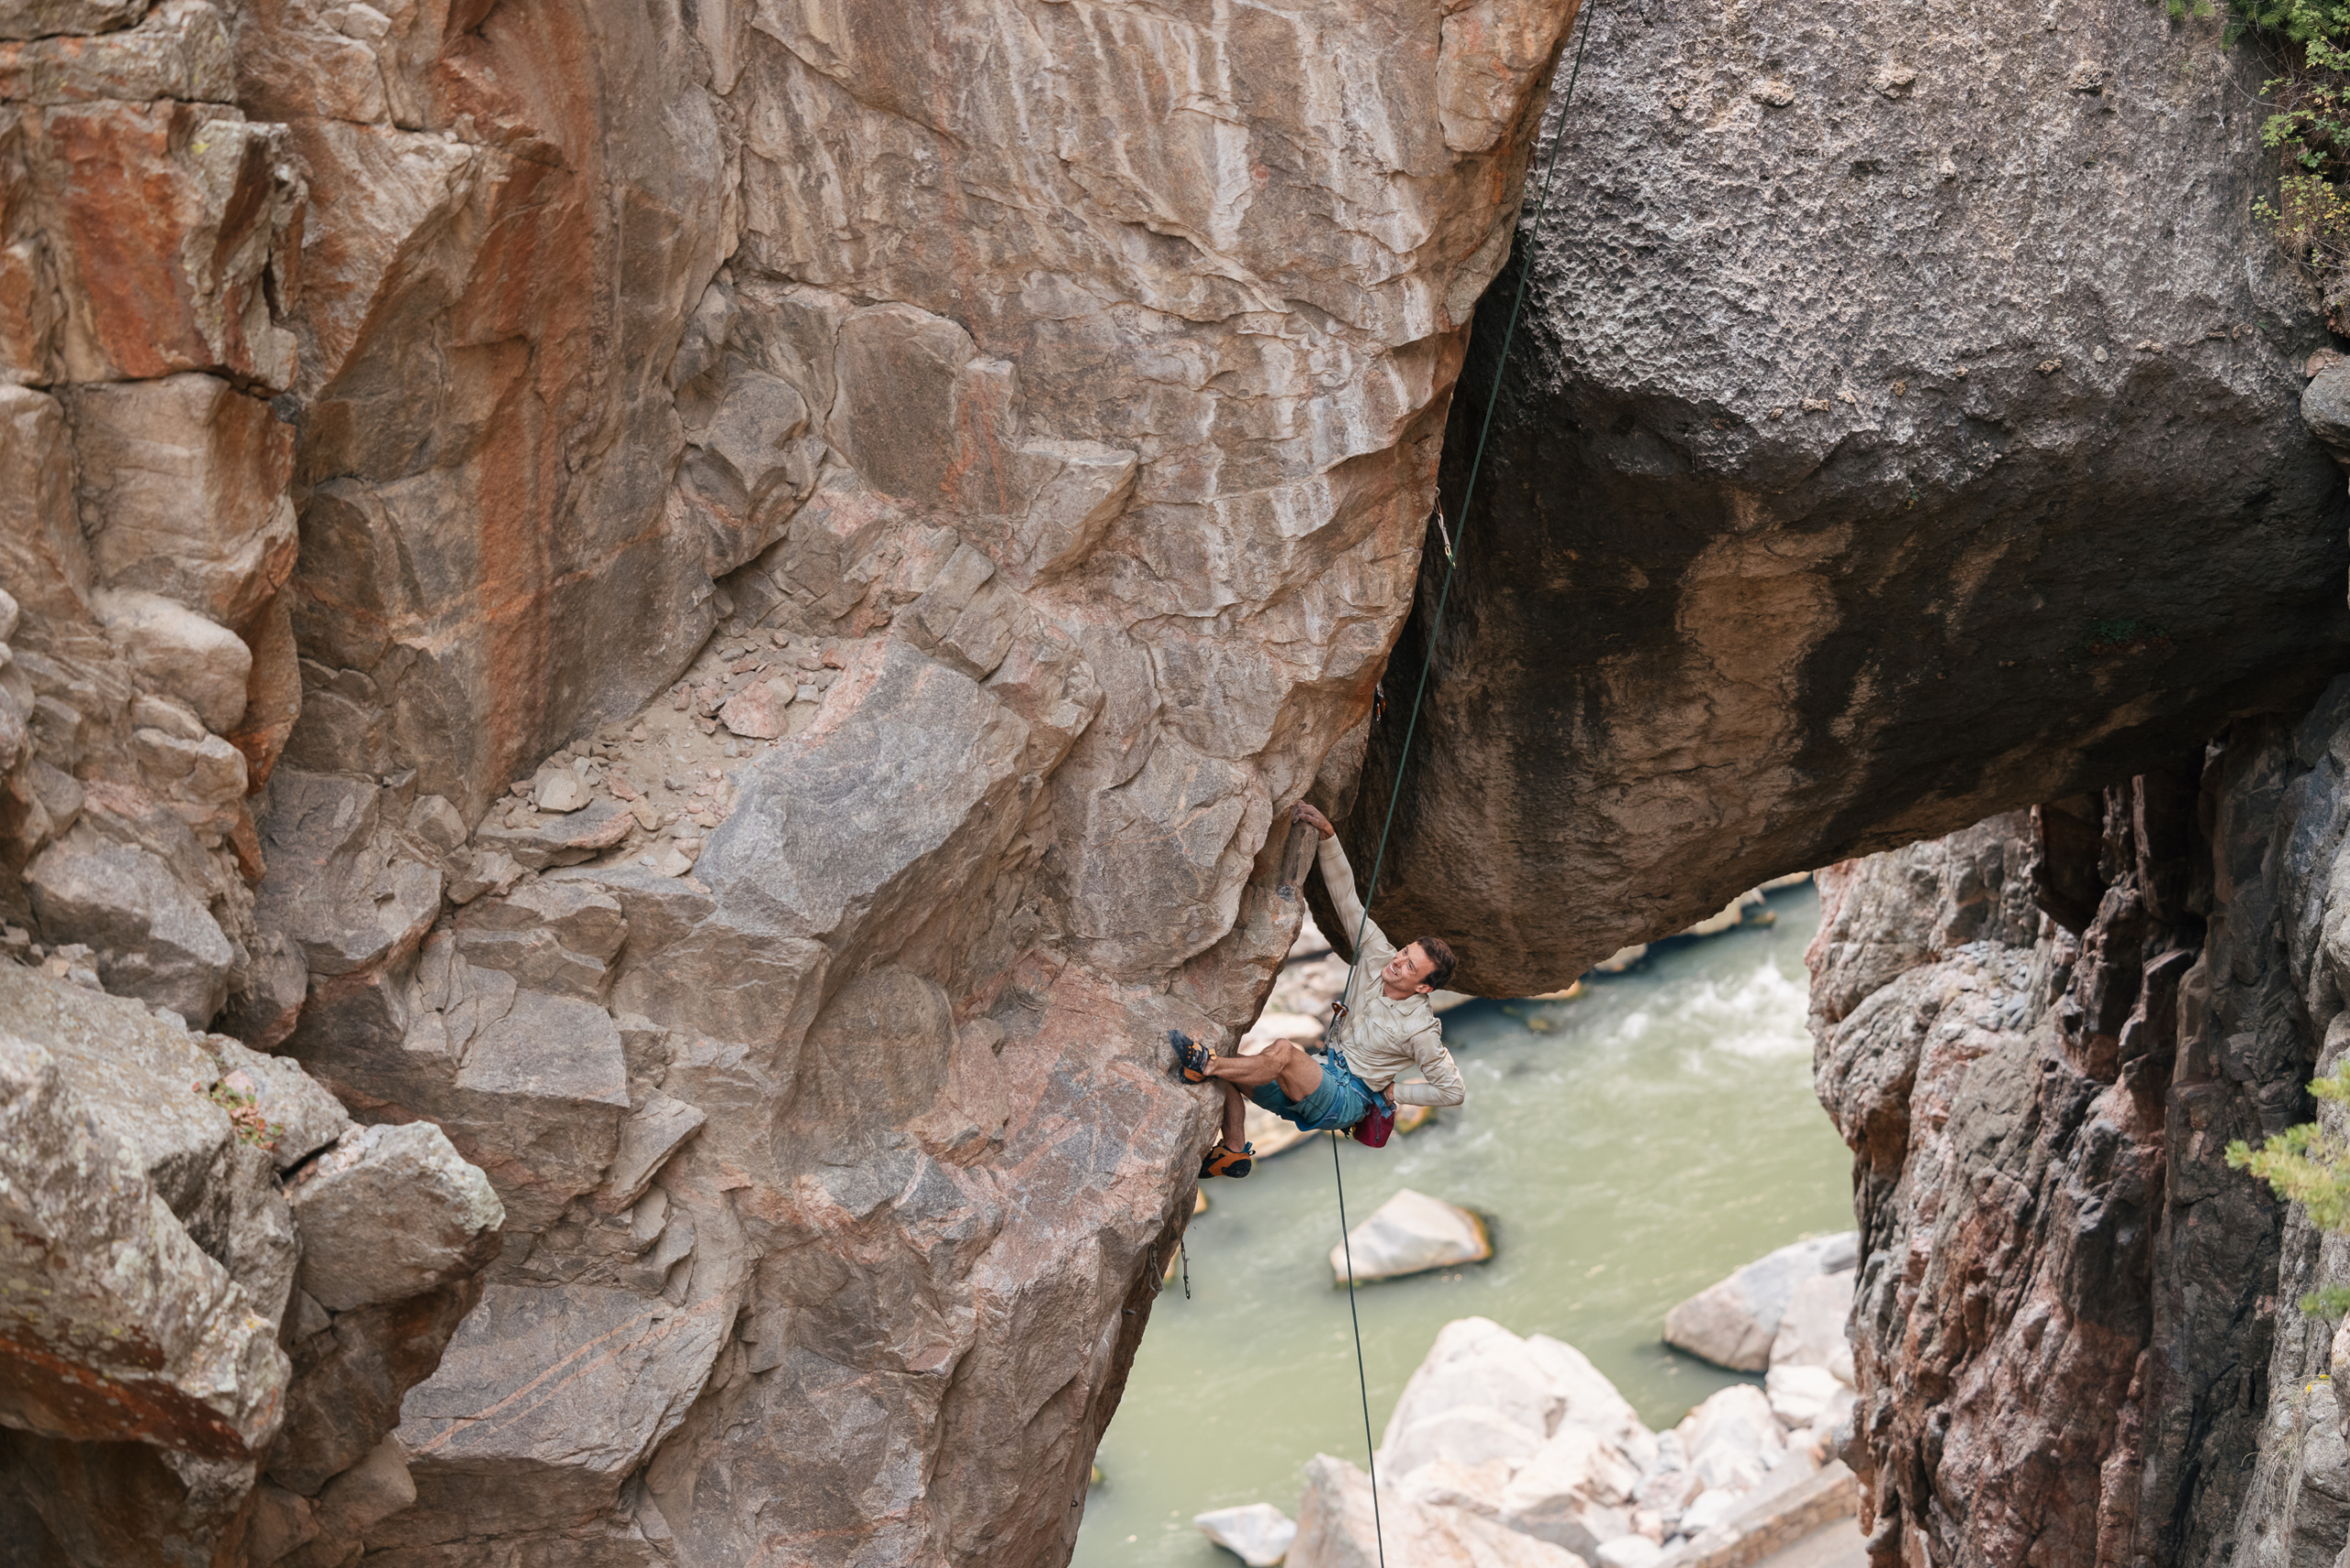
{"x": 392, "y": 1211}
{"x": 154, "y": 940}
{"x": 569, "y": 1387}
{"x": 115, "y": 1325}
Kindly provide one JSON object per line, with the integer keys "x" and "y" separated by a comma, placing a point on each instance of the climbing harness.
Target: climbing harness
{"x": 1411, "y": 730}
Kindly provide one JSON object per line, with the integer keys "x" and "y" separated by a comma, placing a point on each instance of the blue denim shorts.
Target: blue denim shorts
{"x": 1340, "y": 1100}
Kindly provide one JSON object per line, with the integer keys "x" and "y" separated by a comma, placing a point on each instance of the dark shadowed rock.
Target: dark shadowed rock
{"x": 349, "y": 1379}
{"x": 2325, "y": 408}
{"x": 1902, "y": 435}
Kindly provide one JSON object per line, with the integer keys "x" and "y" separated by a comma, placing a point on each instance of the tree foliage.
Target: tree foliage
{"x": 2309, "y": 1165}
{"x": 2307, "y": 126}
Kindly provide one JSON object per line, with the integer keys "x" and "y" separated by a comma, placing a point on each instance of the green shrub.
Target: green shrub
{"x": 2309, "y": 123}
{"x": 2309, "y": 1165}
{"x": 2299, "y": 21}
{"x": 245, "y": 1117}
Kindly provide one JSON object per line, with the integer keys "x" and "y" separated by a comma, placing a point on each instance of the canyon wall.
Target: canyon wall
{"x": 1899, "y": 430}
{"x": 2077, "y": 1333}
{"x": 720, "y": 602}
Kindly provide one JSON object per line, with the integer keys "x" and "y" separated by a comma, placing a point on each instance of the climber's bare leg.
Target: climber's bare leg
{"x": 1235, "y": 1117}
{"x": 1282, "y": 1062}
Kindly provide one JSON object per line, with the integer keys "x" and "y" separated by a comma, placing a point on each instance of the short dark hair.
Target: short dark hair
{"x": 1441, "y": 954}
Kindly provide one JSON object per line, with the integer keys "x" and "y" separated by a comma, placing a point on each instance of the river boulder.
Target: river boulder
{"x": 1628, "y": 1551}
{"x": 1812, "y": 1329}
{"x": 1520, "y": 1434}
{"x": 1410, "y": 1233}
{"x": 1537, "y": 1382}
{"x": 1734, "y": 1323}
{"x": 1269, "y": 1135}
{"x": 1256, "y": 1533}
{"x": 1336, "y": 1530}
{"x": 1804, "y": 1396}
{"x": 1732, "y": 1440}
{"x": 1575, "y": 1492}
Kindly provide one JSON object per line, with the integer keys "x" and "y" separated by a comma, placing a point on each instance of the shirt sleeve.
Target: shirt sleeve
{"x": 1443, "y": 1086}
{"x": 1339, "y": 880}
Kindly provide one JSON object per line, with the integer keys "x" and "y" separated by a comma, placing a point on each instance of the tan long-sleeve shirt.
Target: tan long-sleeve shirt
{"x": 1381, "y": 1037}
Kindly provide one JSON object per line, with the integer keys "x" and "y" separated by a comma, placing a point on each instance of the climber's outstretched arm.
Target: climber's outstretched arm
{"x": 1337, "y": 877}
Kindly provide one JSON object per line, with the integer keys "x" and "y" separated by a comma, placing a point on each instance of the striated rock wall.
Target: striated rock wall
{"x": 983, "y": 388}
{"x": 1900, "y": 429}
{"x": 720, "y": 602}
{"x": 2075, "y": 1333}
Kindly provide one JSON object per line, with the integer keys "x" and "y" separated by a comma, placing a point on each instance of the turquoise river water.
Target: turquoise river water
{"x": 1657, "y": 1134}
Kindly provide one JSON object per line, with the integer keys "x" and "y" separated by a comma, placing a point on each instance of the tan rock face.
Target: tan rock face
{"x": 149, "y": 244}
{"x": 148, "y": 265}
{"x": 489, "y": 436}
{"x": 183, "y": 54}
{"x": 167, "y": 224}
{"x": 41, "y": 19}
{"x": 183, "y": 493}
{"x": 1045, "y": 442}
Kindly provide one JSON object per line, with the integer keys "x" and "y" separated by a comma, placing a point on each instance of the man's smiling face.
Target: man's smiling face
{"x": 1408, "y": 969}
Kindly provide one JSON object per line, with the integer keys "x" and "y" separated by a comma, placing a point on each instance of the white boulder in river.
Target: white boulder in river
{"x": 1734, "y": 1323}
{"x": 1335, "y": 1529}
{"x": 1409, "y": 1234}
{"x": 1515, "y": 1451}
{"x": 1502, "y": 1451}
{"x": 1732, "y": 1440}
{"x": 1810, "y": 1381}
{"x": 1803, "y": 1397}
{"x": 1258, "y": 1534}
{"x": 1813, "y": 1330}
{"x": 1521, "y": 1451}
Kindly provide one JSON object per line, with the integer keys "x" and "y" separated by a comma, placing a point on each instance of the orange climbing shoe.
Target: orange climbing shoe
{"x": 1190, "y": 1059}
{"x": 1223, "y": 1161}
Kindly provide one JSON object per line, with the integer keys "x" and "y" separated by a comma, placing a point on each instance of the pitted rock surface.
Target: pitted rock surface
{"x": 791, "y": 595}
{"x": 1843, "y": 464}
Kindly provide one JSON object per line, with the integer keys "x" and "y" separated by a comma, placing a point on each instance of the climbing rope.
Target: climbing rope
{"x": 1411, "y": 725}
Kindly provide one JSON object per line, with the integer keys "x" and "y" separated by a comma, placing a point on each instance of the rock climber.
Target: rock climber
{"x": 1386, "y": 1026}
